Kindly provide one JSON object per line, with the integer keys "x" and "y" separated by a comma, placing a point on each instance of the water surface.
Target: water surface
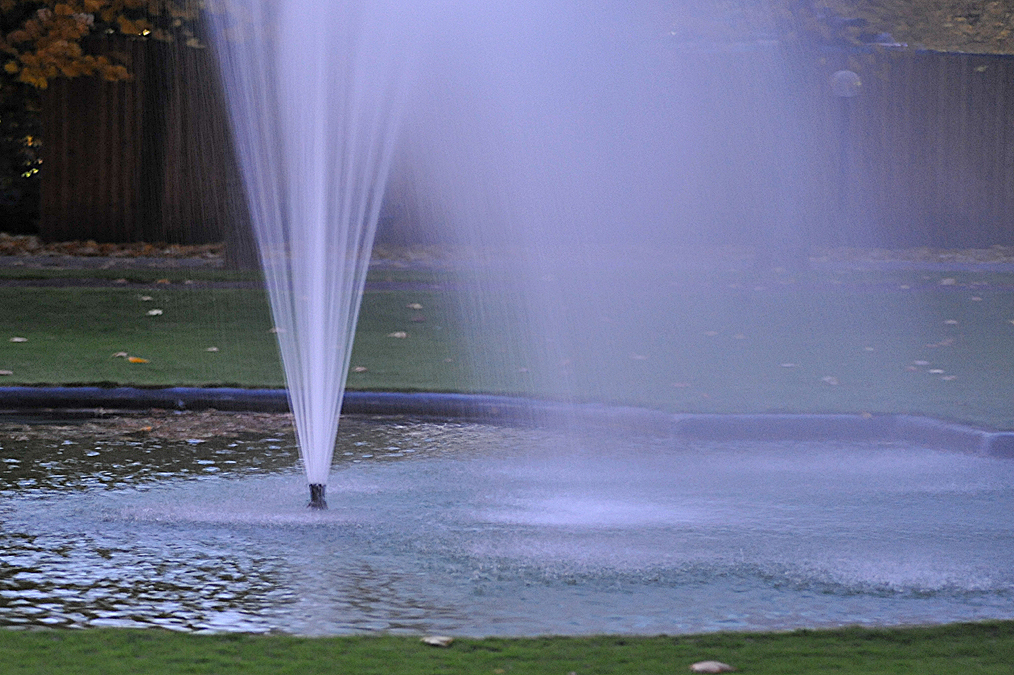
{"x": 473, "y": 529}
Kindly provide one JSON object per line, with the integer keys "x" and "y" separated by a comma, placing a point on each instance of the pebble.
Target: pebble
{"x": 437, "y": 640}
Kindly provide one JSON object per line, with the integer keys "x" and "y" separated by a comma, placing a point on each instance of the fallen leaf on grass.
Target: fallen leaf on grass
{"x": 920, "y": 363}
{"x": 119, "y": 355}
{"x": 136, "y": 359}
{"x": 162, "y": 281}
{"x": 414, "y": 305}
{"x": 935, "y": 371}
{"x": 6, "y": 372}
{"x": 400, "y": 334}
{"x": 360, "y": 369}
{"x": 211, "y": 349}
{"x": 948, "y": 378}
{"x": 975, "y": 298}
{"x": 951, "y": 322}
{"x": 19, "y": 339}
{"x": 830, "y": 379}
{"x": 949, "y": 281}
{"x": 145, "y": 298}
{"x": 154, "y": 312}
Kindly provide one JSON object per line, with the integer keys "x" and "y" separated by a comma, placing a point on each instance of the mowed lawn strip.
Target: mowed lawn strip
{"x": 207, "y": 337}
{"x": 871, "y": 343}
{"x": 983, "y": 648}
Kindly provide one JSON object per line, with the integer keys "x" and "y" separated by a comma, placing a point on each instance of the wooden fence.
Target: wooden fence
{"x": 928, "y": 148}
{"x": 923, "y": 156}
{"x": 92, "y": 156}
{"x": 148, "y": 159}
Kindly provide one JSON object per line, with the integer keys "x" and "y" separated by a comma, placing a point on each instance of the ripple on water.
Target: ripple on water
{"x": 478, "y": 529}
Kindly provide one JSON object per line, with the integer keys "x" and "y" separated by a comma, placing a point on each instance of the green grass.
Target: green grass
{"x": 73, "y": 333}
{"x": 962, "y": 648}
{"x": 864, "y": 345}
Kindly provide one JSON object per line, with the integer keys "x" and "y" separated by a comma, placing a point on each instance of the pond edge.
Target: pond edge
{"x": 925, "y": 431}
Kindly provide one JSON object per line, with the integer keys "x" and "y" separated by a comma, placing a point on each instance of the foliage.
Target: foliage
{"x": 945, "y": 25}
{"x": 44, "y": 39}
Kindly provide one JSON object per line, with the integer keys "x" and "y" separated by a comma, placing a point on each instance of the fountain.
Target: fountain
{"x": 560, "y": 144}
{"x": 314, "y": 89}
{"x": 580, "y": 158}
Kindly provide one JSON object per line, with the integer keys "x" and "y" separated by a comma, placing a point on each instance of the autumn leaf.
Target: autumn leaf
{"x": 136, "y": 359}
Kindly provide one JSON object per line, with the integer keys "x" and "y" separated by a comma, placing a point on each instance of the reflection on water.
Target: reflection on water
{"x": 479, "y": 530}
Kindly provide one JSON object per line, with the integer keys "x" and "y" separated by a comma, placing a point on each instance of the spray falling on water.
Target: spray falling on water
{"x": 577, "y": 143}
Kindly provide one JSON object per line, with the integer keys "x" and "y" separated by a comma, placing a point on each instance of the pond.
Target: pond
{"x": 474, "y": 529}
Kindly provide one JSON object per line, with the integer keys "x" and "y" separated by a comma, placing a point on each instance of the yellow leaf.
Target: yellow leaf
{"x": 12, "y": 67}
{"x": 136, "y": 359}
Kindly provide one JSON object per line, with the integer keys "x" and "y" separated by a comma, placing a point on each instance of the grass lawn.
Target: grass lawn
{"x": 963, "y": 648}
{"x": 921, "y": 343}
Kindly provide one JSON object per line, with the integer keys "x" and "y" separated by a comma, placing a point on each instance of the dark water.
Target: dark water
{"x": 480, "y": 530}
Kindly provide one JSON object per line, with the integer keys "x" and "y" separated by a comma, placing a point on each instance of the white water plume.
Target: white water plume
{"x": 314, "y": 89}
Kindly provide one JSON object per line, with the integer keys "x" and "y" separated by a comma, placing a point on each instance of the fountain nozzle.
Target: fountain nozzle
{"x": 317, "y": 497}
